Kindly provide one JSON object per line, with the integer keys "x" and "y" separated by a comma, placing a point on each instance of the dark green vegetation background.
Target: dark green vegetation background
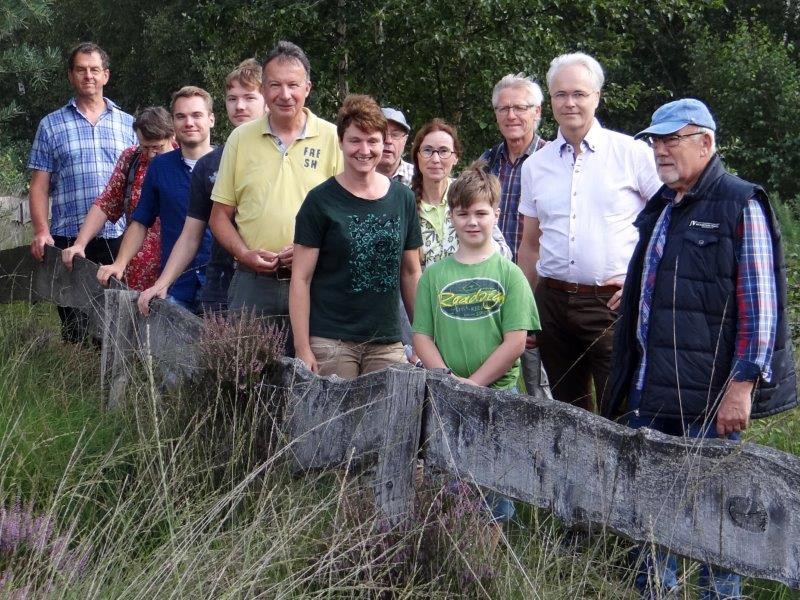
{"x": 430, "y": 59}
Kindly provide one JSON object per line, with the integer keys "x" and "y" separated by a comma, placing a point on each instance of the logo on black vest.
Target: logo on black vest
{"x": 703, "y": 225}
{"x": 471, "y": 299}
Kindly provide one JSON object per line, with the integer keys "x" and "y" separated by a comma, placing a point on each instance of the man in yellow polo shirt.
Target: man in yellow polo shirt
{"x": 267, "y": 168}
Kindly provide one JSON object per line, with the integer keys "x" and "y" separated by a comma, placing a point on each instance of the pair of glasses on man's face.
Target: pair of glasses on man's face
{"x": 397, "y": 135}
{"x": 670, "y": 141}
{"x": 443, "y": 153}
{"x": 519, "y": 109}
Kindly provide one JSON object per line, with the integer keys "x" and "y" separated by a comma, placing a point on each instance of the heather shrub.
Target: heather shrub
{"x": 231, "y": 402}
{"x": 447, "y": 542}
{"x": 34, "y": 555}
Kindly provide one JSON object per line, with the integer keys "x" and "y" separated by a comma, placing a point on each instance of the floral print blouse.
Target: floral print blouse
{"x": 144, "y": 268}
{"x": 439, "y": 238}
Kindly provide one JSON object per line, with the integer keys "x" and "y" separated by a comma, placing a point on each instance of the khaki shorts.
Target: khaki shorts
{"x": 348, "y": 359}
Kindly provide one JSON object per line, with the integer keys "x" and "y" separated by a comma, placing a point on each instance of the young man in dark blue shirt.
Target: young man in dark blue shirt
{"x": 165, "y": 195}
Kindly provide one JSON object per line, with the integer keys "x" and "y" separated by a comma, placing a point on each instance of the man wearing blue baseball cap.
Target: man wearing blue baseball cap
{"x": 702, "y": 344}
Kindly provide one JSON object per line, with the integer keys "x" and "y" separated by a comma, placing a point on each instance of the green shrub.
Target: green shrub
{"x": 13, "y": 180}
{"x": 752, "y": 85}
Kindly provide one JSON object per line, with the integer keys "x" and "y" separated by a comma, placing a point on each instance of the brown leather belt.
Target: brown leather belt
{"x": 281, "y": 273}
{"x": 580, "y": 289}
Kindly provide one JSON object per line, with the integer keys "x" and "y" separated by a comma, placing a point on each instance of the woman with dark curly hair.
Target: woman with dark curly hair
{"x": 356, "y": 246}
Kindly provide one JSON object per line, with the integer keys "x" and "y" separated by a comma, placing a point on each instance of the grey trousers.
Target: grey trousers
{"x": 534, "y": 376}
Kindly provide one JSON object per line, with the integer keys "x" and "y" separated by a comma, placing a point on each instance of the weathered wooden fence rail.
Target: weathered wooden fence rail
{"x": 15, "y": 216}
{"x": 736, "y": 505}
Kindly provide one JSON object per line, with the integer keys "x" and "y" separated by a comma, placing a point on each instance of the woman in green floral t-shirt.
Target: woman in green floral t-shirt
{"x": 435, "y": 152}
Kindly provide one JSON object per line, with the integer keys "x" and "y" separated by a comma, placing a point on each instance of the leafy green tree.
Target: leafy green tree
{"x": 752, "y": 84}
{"x": 24, "y": 68}
{"x": 25, "y": 71}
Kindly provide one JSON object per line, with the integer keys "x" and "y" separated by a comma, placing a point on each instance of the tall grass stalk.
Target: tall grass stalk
{"x": 151, "y": 504}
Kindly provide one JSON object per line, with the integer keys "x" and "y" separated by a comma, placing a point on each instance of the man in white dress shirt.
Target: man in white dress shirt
{"x": 579, "y": 197}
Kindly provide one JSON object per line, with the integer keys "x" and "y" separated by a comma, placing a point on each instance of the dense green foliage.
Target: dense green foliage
{"x": 437, "y": 59}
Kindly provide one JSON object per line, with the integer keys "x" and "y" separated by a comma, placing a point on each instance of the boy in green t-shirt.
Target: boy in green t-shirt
{"x": 475, "y": 308}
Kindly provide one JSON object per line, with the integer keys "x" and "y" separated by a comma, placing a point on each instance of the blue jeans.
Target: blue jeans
{"x": 657, "y": 571}
{"x": 501, "y": 507}
{"x": 190, "y": 306}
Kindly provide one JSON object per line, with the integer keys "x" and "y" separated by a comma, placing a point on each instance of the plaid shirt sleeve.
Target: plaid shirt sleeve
{"x": 756, "y": 297}
{"x": 41, "y": 156}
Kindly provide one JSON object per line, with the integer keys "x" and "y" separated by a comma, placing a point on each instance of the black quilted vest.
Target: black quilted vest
{"x": 692, "y": 327}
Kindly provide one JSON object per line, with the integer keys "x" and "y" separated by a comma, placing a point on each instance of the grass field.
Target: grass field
{"x": 172, "y": 498}
{"x": 139, "y": 504}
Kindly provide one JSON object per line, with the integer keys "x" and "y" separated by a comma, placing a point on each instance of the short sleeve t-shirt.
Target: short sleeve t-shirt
{"x": 361, "y": 243}
{"x": 467, "y": 309}
{"x": 267, "y": 185}
{"x": 204, "y": 175}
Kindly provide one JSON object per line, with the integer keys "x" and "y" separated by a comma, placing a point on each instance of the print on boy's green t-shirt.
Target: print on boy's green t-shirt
{"x": 467, "y": 309}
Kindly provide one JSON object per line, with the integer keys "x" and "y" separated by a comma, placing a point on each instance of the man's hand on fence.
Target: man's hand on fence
{"x": 40, "y": 240}
{"x": 105, "y": 272}
{"x": 733, "y": 414}
{"x": 147, "y": 296}
{"x": 307, "y": 356}
{"x": 68, "y": 254}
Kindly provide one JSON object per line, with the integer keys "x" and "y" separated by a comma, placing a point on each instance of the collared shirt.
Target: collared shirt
{"x": 266, "y": 185}
{"x": 509, "y": 175}
{"x": 165, "y": 194}
{"x": 80, "y": 158}
{"x": 586, "y": 205}
{"x": 756, "y": 294}
{"x": 282, "y": 148}
{"x": 404, "y": 173}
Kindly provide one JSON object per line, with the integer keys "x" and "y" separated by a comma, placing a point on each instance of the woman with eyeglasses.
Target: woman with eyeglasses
{"x": 435, "y": 152}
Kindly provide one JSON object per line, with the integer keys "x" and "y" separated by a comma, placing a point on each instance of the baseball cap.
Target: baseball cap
{"x": 674, "y": 115}
{"x": 392, "y": 114}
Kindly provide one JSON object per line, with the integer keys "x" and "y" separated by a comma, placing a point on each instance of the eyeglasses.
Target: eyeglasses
{"x": 578, "y": 96}
{"x": 670, "y": 141}
{"x": 428, "y": 152}
{"x": 519, "y": 109}
{"x": 397, "y": 135}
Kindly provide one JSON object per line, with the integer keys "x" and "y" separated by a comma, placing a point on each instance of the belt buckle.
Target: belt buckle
{"x": 572, "y": 288}
{"x": 283, "y": 273}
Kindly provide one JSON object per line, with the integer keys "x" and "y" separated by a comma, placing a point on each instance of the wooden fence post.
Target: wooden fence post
{"x": 374, "y": 419}
{"x": 397, "y": 458}
{"x": 119, "y": 344}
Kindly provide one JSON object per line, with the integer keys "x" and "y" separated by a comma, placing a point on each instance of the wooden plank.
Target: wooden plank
{"x": 119, "y": 345}
{"x": 730, "y": 504}
{"x": 393, "y": 483}
{"x": 16, "y": 275}
{"x": 373, "y": 420}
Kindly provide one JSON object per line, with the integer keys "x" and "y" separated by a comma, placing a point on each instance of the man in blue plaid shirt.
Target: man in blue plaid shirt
{"x": 517, "y": 104}
{"x": 72, "y": 158}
